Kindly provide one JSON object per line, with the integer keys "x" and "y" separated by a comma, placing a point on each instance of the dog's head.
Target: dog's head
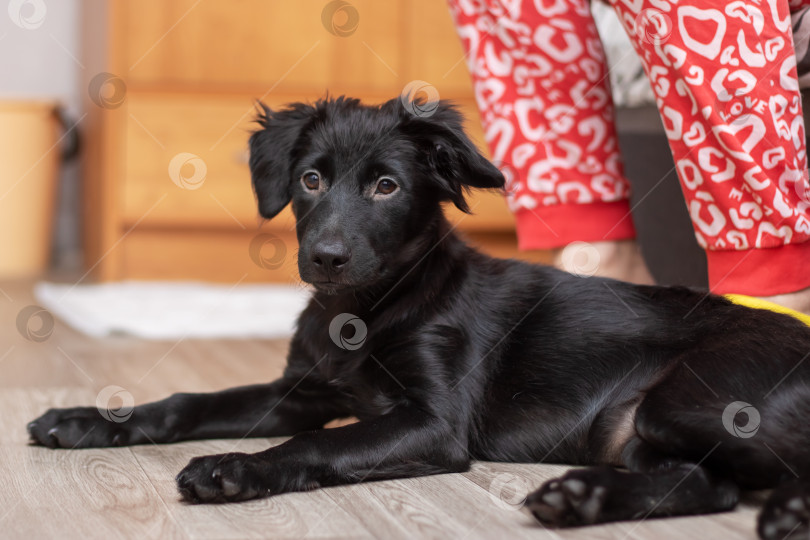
{"x": 366, "y": 183}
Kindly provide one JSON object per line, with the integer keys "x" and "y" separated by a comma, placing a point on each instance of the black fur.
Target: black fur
{"x": 473, "y": 358}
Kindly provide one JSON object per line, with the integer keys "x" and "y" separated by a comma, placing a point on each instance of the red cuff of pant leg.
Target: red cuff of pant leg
{"x": 760, "y": 272}
{"x": 556, "y": 226}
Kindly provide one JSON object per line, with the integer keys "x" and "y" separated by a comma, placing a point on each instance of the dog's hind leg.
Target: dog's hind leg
{"x": 786, "y": 514}
{"x": 670, "y": 457}
{"x": 666, "y": 487}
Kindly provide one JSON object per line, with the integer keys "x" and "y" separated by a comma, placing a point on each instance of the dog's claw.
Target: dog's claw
{"x": 53, "y": 440}
{"x": 30, "y": 429}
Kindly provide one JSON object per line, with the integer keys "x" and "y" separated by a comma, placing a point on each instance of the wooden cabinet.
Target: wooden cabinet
{"x": 192, "y": 72}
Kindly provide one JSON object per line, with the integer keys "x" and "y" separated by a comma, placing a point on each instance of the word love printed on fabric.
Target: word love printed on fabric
{"x": 725, "y": 83}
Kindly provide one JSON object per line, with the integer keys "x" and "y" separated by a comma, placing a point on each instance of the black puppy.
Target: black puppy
{"x": 447, "y": 355}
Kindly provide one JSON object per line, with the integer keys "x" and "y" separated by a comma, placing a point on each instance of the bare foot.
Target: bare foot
{"x": 617, "y": 259}
{"x": 799, "y": 300}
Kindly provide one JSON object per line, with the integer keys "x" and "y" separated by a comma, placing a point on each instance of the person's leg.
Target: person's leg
{"x": 541, "y": 85}
{"x": 618, "y": 259}
{"x": 726, "y": 86}
{"x": 800, "y": 14}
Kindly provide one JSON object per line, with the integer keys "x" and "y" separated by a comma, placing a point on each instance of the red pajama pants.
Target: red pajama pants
{"x": 724, "y": 76}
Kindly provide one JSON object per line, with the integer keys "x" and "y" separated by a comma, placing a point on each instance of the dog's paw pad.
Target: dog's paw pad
{"x": 574, "y": 488}
{"x": 786, "y": 515}
{"x": 230, "y": 487}
{"x": 554, "y": 498}
{"x": 575, "y": 499}
{"x": 548, "y": 505}
{"x": 796, "y": 504}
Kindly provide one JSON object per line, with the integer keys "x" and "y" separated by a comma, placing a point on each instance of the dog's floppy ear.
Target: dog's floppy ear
{"x": 455, "y": 163}
{"x": 271, "y": 154}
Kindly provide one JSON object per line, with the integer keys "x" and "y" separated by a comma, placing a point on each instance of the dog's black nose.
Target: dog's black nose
{"x": 331, "y": 256}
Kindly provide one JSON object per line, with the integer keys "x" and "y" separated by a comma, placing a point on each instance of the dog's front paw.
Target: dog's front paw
{"x": 224, "y": 478}
{"x": 79, "y": 427}
{"x": 575, "y": 499}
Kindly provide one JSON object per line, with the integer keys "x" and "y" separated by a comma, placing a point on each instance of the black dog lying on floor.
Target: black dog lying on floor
{"x": 447, "y": 355}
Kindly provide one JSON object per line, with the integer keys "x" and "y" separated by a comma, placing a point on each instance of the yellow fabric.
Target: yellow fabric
{"x": 758, "y": 303}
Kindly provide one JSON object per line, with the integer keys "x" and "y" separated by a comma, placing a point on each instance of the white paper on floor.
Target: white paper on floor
{"x": 172, "y": 310}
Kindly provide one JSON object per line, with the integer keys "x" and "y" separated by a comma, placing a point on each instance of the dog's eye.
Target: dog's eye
{"x": 386, "y": 186}
{"x": 311, "y": 180}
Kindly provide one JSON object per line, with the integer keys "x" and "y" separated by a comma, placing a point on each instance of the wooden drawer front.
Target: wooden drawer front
{"x": 489, "y": 213}
{"x": 224, "y": 256}
{"x": 249, "y": 256}
{"x": 267, "y": 43}
{"x": 161, "y": 127}
{"x": 285, "y": 45}
{"x": 434, "y": 53}
{"x": 223, "y": 42}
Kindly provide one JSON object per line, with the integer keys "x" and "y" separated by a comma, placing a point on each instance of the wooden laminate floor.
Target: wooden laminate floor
{"x": 130, "y": 492}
